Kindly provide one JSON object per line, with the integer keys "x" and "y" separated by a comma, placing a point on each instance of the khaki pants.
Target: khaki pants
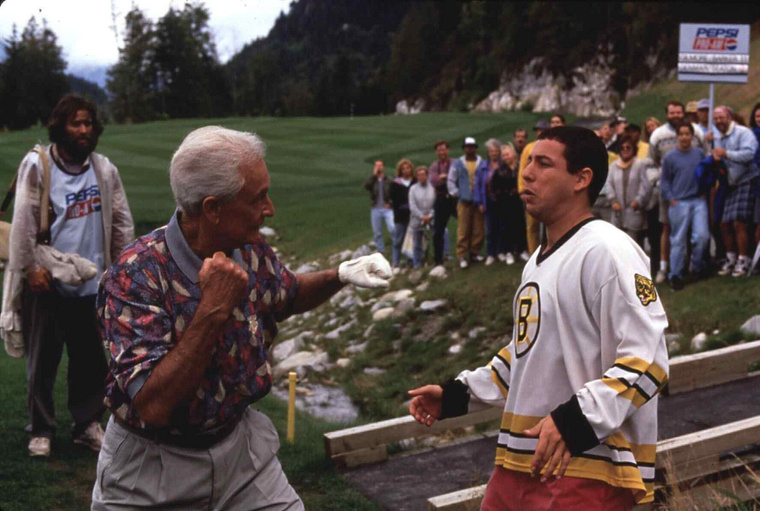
{"x": 533, "y": 232}
{"x": 241, "y": 472}
{"x": 470, "y": 230}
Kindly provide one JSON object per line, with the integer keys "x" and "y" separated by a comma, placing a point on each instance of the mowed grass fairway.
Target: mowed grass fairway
{"x": 318, "y": 168}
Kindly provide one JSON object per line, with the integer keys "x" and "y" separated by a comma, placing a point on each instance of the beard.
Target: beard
{"x": 80, "y": 147}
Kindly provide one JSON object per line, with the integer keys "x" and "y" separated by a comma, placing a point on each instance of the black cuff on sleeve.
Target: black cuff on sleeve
{"x": 455, "y": 400}
{"x": 577, "y": 433}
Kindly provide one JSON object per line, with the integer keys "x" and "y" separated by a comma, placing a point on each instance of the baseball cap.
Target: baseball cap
{"x": 691, "y": 107}
{"x": 469, "y": 141}
{"x": 542, "y": 124}
{"x": 703, "y": 104}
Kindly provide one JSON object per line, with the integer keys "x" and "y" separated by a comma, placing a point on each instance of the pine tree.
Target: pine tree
{"x": 32, "y": 76}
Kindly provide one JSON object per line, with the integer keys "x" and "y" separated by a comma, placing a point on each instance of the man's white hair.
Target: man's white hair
{"x": 207, "y": 164}
{"x": 492, "y": 142}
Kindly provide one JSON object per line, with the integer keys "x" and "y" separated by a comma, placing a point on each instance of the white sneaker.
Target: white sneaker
{"x": 396, "y": 270}
{"x": 91, "y": 437}
{"x": 525, "y": 256}
{"x": 39, "y": 446}
{"x": 727, "y": 268}
{"x": 490, "y": 260}
{"x": 661, "y": 277}
{"x": 740, "y": 269}
{"x": 509, "y": 259}
{"x": 477, "y": 258}
{"x": 502, "y": 257}
{"x": 463, "y": 264}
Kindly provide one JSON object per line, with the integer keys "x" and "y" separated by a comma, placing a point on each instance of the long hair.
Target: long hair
{"x": 400, "y": 167}
{"x": 65, "y": 110}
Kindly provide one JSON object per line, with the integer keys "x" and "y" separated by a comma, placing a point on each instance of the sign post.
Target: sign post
{"x": 709, "y": 52}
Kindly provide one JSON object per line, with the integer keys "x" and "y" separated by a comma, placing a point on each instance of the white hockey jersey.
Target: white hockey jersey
{"x": 588, "y": 347}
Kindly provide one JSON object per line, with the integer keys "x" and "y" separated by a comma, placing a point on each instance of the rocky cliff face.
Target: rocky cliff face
{"x": 533, "y": 88}
{"x": 588, "y": 93}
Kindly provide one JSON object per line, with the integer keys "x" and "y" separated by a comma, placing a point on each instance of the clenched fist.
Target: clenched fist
{"x": 367, "y": 271}
{"x": 223, "y": 284}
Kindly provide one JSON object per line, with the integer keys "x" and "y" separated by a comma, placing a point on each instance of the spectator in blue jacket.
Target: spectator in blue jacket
{"x": 461, "y": 182}
{"x": 679, "y": 187}
{"x": 736, "y": 145}
{"x": 485, "y": 198}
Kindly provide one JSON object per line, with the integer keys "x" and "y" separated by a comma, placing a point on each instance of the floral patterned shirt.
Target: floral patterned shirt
{"x": 148, "y": 298}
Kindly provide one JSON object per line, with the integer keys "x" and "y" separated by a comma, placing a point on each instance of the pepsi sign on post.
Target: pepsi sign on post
{"x": 710, "y": 52}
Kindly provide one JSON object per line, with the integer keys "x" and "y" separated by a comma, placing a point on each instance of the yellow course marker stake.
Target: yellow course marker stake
{"x": 292, "y": 407}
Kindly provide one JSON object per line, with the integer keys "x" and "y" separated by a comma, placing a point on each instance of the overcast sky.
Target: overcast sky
{"x": 84, "y": 27}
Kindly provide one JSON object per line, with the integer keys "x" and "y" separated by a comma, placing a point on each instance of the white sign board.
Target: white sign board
{"x": 709, "y": 52}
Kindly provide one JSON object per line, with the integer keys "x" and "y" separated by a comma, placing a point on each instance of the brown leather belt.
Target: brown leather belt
{"x": 203, "y": 440}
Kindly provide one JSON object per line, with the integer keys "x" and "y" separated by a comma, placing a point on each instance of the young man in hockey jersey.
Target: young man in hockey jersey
{"x": 587, "y": 358}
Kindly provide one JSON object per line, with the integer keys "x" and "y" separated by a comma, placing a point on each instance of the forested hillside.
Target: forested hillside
{"x": 332, "y": 58}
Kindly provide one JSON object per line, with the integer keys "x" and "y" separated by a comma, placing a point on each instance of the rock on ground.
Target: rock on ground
{"x": 396, "y": 296}
{"x": 284, "y": 349}
{"x": 361, "y": 251}
{"x": 415, "y": 277}
{"x": 752, "y": 325}
{"x": 403, "y": 307}
{"x": 379, "y": 305}
{"x": 382, "y": 314}
{"x": 308, "y": 267}
{"x": 357, "y": 348}
{"x": 327, "y": 403}
{"x": 431, "y": 305}
{"x": 336, "y": 333}
{"x": 699, "y": 341}
{"x": 439, "y": 272}
{"x": 302, "y": 359}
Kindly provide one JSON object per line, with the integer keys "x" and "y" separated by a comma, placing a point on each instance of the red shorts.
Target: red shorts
{"x": 509, "y": 490}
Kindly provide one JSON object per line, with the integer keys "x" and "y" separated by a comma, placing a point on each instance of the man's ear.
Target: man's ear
{"x": 583, "y": 179}
{"x": 211, "y": 209}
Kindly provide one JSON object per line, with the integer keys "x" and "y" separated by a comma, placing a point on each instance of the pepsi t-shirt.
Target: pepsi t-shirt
{"x": 78, "y": 224}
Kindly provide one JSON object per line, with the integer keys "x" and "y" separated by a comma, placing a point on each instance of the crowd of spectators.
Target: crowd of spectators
{"x": 685, "y": 190}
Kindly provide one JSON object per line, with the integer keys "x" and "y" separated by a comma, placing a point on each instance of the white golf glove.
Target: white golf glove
{"x": 366, "y": 271}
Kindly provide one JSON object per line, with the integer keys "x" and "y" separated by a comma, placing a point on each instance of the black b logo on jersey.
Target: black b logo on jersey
{"x": 528, "y": 318}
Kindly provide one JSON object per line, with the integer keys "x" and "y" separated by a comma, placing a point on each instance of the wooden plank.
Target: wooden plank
{"x": 462, "y": 500}
{"x": 689, "y": 372}
{"x": 675, "y": 474}
{"x": 394, "y": 430}
{"x": 683, "y": 450}
{"x": 362, "y": 457}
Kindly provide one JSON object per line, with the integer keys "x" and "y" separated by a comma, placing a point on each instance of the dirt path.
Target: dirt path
{"x": 405, "y": 483}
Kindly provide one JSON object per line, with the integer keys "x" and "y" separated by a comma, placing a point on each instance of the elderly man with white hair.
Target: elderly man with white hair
{"x": 735, "y": 145}
{"x": 188, "y": 314}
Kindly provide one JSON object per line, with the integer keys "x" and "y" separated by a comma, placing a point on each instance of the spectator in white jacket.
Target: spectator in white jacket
{"x": 628, "y": 190}
{"x": 421, "y": 203}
